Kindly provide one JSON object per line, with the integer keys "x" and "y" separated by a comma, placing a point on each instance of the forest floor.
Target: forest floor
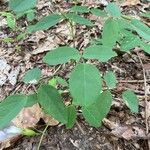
{"x": 122, "y": 130}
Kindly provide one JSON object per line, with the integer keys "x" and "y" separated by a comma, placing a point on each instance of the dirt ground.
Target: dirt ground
{"x": 122, "y": 130}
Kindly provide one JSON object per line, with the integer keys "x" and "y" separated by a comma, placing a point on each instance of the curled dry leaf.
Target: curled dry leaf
{"x": 127, "y": 132}
{"x": 28, "y": 117}
{"x": 49, "y": 44}
{"x": 49, "y": 120}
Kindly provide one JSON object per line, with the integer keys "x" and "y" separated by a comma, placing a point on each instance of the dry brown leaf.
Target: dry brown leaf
{"x": 130, "y": 2}
{"x": 127, "y": 132}
{"x": 49, "y": 120}
{"x": 46, "y": 46}
{"x": 28, "y": 117}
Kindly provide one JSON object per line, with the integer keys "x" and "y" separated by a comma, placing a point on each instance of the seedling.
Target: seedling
{"x": 86, "y": 81}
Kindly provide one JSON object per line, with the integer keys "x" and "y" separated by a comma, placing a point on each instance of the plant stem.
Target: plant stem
{"x": 38, "y": 148}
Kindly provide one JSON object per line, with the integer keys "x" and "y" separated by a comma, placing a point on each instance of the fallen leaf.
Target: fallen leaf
{"x": 130, "y": 2}
{"x": 28, "y": 117}
{"x": 49, "y": 120}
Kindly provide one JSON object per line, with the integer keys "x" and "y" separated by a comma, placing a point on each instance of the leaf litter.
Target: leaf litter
{"x": 119, "y": 118}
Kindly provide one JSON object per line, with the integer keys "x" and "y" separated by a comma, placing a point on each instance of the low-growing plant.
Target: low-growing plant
{"x": 89, "y": 89}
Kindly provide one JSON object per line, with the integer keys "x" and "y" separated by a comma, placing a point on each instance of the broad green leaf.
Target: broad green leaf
{"x": 52, "y": 103}
{"x": 32, "y": 76}
{"x": 31, "y": 100}
{"x": 124, "y": 24}
{"x": 145, "y": 47}
{"x": 113, "y": 10}
{"x": 21, "y": 5}
{"x": 80, "y": 9}
{"x": 142, "y": 29}
{"x": 78, "y": 19}
{"x": 95, "y": 113}
{"x": 98, "y": 12}
{"x": 110, "y": 79}
{"x": 110, "y": 32}
{"x": 72, "y": 115}
{"x": 85, "y": 84}
{"x": 61, "y": 55}
{"x": 10, "y": 107}
{"x": 100, "y": 52}
{"x": 45, "y": 23}
{"x": 129, "y": 42}
{"x": 131, "y": 100}
{"x": 147, "y": 14}
{"x": 61, "y": 81}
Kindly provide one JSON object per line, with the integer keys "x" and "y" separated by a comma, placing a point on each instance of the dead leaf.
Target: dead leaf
{"x": 130, "y": 2}
{"x": 28, "y": 117}
{"x": 127, "y": 132}
{"x": 48, "y": 45}
{"x": 49, "y": 120}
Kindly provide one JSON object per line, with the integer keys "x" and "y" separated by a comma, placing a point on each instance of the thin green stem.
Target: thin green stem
{"x": 38, "y": 148}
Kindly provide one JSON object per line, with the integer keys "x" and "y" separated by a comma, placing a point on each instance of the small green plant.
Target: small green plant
{"x": 89, "y": 89}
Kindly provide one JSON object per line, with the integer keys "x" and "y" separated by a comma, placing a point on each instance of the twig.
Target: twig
{"x": 145, "y": 95}
{"x": 80, "y": 128}
{"x": 132, "y": 81}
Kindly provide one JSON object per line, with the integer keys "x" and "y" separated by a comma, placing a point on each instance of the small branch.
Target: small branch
{"x": 145, "y": 95}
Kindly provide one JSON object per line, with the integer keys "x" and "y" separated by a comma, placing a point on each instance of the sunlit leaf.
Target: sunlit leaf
{"x": 85, "y": 84}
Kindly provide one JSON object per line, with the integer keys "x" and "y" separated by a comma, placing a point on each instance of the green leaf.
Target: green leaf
{"x": 32, "y": 76}
{"x": 98, "y": 12}
{"x": 110, "y": 32}
{"x": 45, "y": 23}
{"x": 61, "y": 55}
{"x": 72, "y": 115}
{"x": 30, "y": 15}
{"x": 80, "y": 9}
{"x": 131, "y": 100}
{"x": 95, "y": 113}
{"x": 10, "y": 107}
{"x": 53, "y": 82}
{"x": 10, "y": 18}
{"x": 110, "y": 79}
{"x": 31, "y": 100}
{"x": 21, "y": 5}
{"x": 85, "y": 84}
{"x": 145, "y": 47}
{"x": 11, "y": 22}
{"x": 61, "y": 81}
{"x": 142, "y": 29}
{"x": 129, "y": 42}
{"x": 52, "y": 103}
{"x": 113, "y": 10}
{"x": 146, "y": 15}
{"x": 78, "y": 19}
{"x": 102, "y": 53}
